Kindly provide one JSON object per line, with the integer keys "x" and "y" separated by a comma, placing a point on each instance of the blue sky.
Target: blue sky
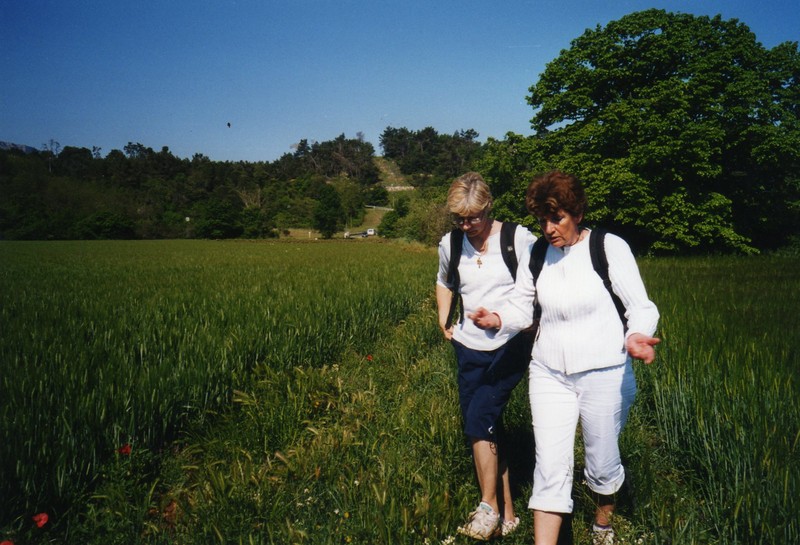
{"x": 175, "y": 73}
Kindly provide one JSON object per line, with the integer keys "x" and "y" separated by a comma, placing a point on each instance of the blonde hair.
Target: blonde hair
{"x": 469, "y": 195}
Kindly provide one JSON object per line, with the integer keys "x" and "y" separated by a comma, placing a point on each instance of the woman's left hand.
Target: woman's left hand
{"x": 641, "y": 347}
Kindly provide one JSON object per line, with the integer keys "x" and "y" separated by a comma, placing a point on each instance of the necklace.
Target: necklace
{"x": 577, "y": 237}
{"x": 484, "y": 245}
{"x": 481, "y": 252}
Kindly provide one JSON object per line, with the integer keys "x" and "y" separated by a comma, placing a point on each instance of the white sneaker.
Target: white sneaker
{"x": 483, "y": 524}
{"x": 602, "y": 535}
{"x": 509, "y": 526}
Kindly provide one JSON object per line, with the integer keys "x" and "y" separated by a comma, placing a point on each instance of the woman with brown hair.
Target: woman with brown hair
{"x": 581, "y": 368}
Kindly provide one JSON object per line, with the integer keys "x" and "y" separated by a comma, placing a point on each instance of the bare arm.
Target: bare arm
{"x": 443, "y": 299}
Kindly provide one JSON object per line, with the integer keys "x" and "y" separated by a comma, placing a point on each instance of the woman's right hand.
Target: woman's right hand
{"x": 642, "y": 347}
{"x": 448, "y": 333}
{"x": 484, "y": 319}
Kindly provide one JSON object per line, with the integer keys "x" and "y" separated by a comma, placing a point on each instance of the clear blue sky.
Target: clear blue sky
{"x": 176, "y": 72}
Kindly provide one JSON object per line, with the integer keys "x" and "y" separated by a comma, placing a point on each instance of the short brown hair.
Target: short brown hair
{"x": 469, "y": 195}
{"x": 553, "y": 191}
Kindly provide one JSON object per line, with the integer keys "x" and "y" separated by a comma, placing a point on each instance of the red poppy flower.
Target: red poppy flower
{"x": 40, "y": 519}
{"x": 369, "y": 357}
{"x": 7, "y": 542}
{"x": 125, "y": 449}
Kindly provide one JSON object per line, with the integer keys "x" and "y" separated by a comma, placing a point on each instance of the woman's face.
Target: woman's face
{"x": 560, "y": 229}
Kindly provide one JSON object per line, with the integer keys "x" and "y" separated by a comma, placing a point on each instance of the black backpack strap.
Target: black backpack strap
{"x": 537, "y": 257}
{"x": 537, "y": 262}
{"x": 597, "y": 249}
{"x": 507, "y": 232}
{"x": 453, "y": 278}
{"x": 456, "y": 245}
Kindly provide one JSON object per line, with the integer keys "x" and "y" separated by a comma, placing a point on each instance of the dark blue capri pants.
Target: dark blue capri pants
{"x": 485, "y": 382}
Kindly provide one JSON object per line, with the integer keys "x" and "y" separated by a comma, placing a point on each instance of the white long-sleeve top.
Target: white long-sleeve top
{"x": 489, "y": 285}
{"x": 579, "y": 328}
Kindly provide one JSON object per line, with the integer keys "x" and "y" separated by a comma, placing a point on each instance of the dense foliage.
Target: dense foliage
{"x": 685, "y": 129}
{"x": 74, "y": 193}
{"x": 428, "y": 157}
{"x": 125, "y": 342}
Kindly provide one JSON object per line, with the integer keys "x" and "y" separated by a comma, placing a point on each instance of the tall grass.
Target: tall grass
{"x": 332, "y": 398}
{"x": 724, "y": 399}
{"x": 105, "y": 344}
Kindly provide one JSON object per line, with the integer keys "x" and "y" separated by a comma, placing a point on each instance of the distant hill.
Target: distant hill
{"x": 21, "y": 147}
{"x": 390, "y": 175}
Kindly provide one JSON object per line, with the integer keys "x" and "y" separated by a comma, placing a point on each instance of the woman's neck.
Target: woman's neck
{"x": 577, "y": 238}
{"x": 479, "y": 239}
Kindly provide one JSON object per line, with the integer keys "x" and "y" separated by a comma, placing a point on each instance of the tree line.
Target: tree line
{"x": 137, "y": 192}
{"x": 685, "y": 130}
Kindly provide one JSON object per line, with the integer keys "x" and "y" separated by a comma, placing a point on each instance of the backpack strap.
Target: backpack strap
{"x": 537, "y": 262}
{"x": 537, "y": 257}
{"x": 507, "y": 232}
{"x": 453, "y": 278}
{"x": 597, "y": 249}
{"x": 456, "y": 244}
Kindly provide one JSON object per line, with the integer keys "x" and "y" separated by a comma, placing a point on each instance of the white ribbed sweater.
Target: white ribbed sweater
{"x": 580, "y": 328}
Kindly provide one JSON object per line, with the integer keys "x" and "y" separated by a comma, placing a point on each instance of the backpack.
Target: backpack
{"x": 597, "y": 250}
{"x": 507, "y": 249}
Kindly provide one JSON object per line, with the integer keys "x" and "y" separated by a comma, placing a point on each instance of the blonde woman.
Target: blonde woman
{"x": 474, "y": 269}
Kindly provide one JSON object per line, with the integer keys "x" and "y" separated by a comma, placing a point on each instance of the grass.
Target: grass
{"x": 268, "y": 403}
{"x": 725, "y": 401}
{"x": 112, "y": 343}
{"x": 372, "y": 220}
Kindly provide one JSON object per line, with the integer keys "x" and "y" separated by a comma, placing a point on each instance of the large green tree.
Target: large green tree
{"x": 328, "y": 212}
{"x": 684, "y": 128}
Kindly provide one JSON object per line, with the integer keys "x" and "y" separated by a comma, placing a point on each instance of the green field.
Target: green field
{"x": 291, "y": 392}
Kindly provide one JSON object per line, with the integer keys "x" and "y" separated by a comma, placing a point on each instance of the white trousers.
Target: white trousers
{"x": 601, "y": 399}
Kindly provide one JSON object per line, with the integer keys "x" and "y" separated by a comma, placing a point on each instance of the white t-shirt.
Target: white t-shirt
{"x": 486, "y": 285}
